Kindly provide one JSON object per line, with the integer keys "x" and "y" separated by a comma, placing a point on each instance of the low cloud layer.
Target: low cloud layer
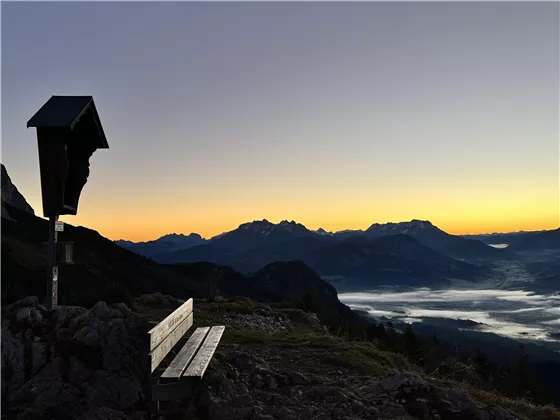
{"x": 511, "y": 313}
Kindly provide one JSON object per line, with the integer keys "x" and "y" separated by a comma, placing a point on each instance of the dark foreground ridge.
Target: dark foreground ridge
{"x": 274, "y": 363}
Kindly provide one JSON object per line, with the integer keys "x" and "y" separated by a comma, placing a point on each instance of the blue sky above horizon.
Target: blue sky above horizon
{"x": 332, "y": 114}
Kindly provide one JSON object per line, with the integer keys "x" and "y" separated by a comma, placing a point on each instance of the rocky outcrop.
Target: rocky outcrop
{"x": 11, "y": 195}
{"x": 243, "y": 385}
{"x": 256, "y": 321}
{"x": 72, "y": 363}
{"x": 422, "y": 399}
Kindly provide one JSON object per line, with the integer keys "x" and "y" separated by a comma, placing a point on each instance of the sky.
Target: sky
{"x": 336, "y": 115}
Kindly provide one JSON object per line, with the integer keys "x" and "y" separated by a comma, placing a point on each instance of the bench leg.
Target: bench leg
{"x": 157, "y": 402}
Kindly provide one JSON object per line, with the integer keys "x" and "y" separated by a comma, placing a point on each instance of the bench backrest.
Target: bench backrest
{"x": 168, "y": 332}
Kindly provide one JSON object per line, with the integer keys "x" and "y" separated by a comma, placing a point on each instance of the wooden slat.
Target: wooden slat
{"x": 165, "y": 327}
{"x": 202, "y": 359}
{"x": 157, "y": 354}
{"x": 184, "y": 357}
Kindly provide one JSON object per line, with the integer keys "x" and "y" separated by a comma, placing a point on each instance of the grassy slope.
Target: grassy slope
{"x": 326, "y": 355}
{"x": 102, "y": 270}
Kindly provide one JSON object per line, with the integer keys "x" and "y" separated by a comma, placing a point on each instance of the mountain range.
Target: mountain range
{"x": 414, "y": 253}
{"x": 408, "y": 253}
{"x": 105, "y": 271}
{"x": 167, "y": 243}
{"x": 538, "y": 241}
{"x": 263, "y": 232}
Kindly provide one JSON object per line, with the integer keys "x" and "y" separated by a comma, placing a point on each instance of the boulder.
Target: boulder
{"x": 73, "y": 363}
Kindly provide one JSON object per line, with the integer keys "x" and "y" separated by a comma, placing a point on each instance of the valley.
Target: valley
{"x": 388, "y": 287}
{"x": 413, "y": 272}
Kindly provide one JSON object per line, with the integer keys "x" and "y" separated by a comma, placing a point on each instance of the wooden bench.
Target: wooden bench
{"x": 189, "y": 365}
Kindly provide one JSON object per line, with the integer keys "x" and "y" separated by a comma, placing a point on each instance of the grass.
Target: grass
{"x": 325, "y": 352}
{"x": 362, "y": 357}
{"x": 520, "y": 406}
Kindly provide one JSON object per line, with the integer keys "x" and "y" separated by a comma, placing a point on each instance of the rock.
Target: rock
{"x": 26, "y": 302}
{"x": 226, "y": 388}
{"x": 262, "y": 417}
{"x": 261, "y": 320}
{"x": 499, "y": 413}
{"x": 418, "y": 397}
{"x": 339, "y": 396}
{"x": 357, "y": 406}
{"x": 307, "y": 413}
{"x": 313, "y": 321}
{"x": 243, "y": 400}
{"x": 60, "y": 398}
{"x": 63, "y": 314}
{"x": 159, "y": 300}
{"x": 88, "y": 336}
{"x": 82, "y": 363}
{"x": 270, "y": 382}
{"x": 13, "y": 369}
{"x": 11, "y": 195}
{"x": 298, "y": 379}
{"x": 40, "y": 353}
{"x": 258, "y": 382}
{"x": 285, "y": 414}
{"x": 101, "y": 310}
{"x": 104, "y": 413}
{"x": 29, "y": 316}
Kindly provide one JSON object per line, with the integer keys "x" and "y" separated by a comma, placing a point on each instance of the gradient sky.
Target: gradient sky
{"x": 336, "y": 115}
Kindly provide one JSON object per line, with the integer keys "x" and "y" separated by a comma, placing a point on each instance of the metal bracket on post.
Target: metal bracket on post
{"x": 52, "y": 268}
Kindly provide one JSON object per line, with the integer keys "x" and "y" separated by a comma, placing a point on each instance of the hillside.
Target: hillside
{"x": 391, "y": 259}
{"x": 274, "y": 362}
{"x": 540, "y": 241}
{"x": 102, "y": 270}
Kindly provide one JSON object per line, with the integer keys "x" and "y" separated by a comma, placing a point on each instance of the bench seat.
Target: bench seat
{"x": 189, "y": 365}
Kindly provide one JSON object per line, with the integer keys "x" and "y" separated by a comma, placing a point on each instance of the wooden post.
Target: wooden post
{"x": 52, "y": 269}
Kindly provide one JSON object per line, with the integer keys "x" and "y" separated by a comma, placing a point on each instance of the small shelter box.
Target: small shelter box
{"x": 69, "y": 131}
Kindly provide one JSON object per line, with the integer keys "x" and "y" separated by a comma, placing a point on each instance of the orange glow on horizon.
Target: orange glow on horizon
{"x": 148, "y": 234}
{"x": 458, "y": 208}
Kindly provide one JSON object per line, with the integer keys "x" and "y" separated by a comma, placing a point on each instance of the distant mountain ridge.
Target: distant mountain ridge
{"x": 380, "y": 254}
{"x": 428, "y": 234}
{"x": 262, "y": 241}
{"x": 260, "y": 232}
{"x": 167, "y": 243}
{"x": 502, "y": 238}
{"x": 541, "y": 241}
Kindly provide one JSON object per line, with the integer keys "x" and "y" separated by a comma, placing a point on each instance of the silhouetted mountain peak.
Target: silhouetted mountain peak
{"x": 256, "y": 225}
{"x": 414, "y": 226}
{"x": 264, "y": 227}
{"x": 323, "y": 232}
{"x": 11, "y": 195}
{"x": 167, "y": 243}
{"x": 180, "y": 236}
